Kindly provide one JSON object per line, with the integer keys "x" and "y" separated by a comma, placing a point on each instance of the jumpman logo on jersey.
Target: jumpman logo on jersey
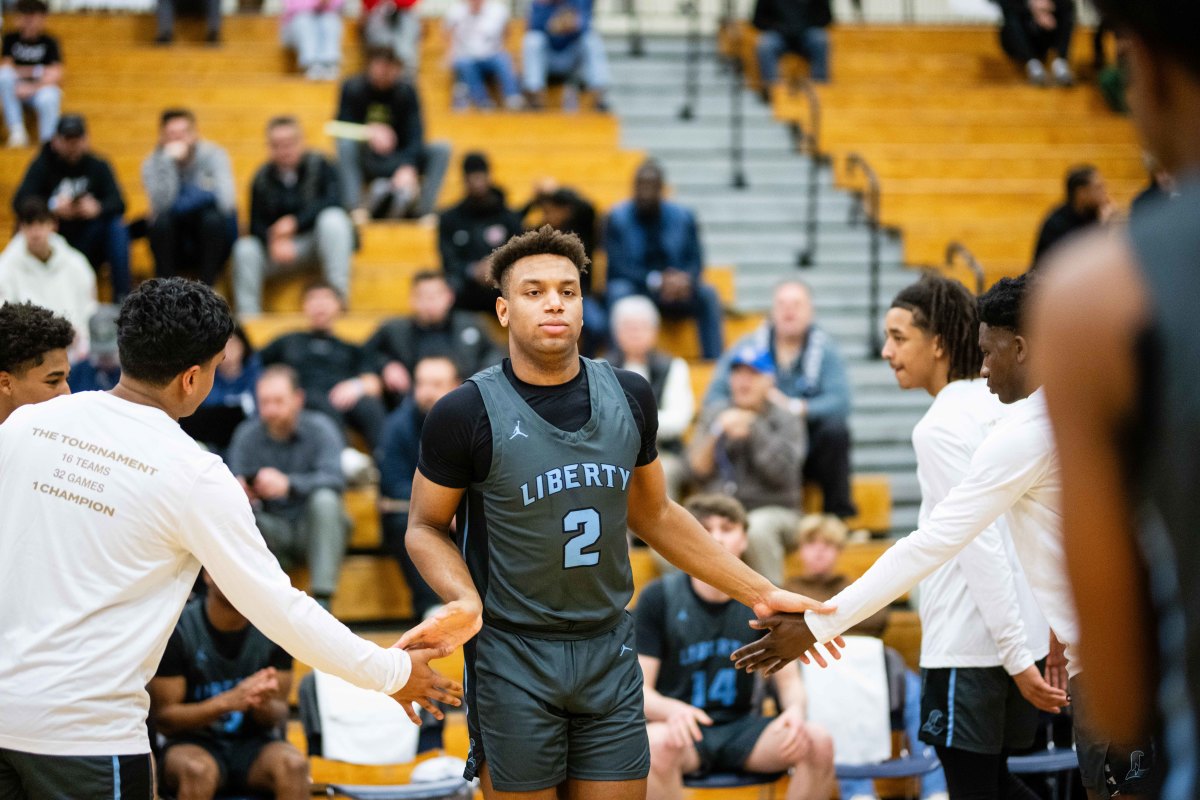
{"x": 518, "y": 432}
{"x": 624, "y": 647}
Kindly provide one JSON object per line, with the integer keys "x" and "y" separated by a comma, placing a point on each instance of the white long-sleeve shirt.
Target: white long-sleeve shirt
{"x": 677, "y": 408}
{"x": 976, "y": 609}
{"x": 107, "y": 511}
{"x": 1014, "y": 474}
{"x": 65, "y": 284}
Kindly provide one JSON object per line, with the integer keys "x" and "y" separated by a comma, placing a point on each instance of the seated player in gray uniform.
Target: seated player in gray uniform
{"x": 701, "y": 709}
{"x": 220, "y": 699}
{"x": 546, "y": 460}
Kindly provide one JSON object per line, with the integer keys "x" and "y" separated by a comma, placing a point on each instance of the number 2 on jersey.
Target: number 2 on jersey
{"x": 585, "y": 524}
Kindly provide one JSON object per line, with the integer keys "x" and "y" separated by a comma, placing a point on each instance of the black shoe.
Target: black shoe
{"x": 213, "y": 38}
{"x": 164, "y": 38}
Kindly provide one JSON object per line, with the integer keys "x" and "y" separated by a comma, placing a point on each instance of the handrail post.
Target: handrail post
{"x": 736, "y": 120}
{"x": 959, "y": 250}
{"x": 637, "y": 47}
{"x": 855, "y": 163}
{"x": 691, "y": 77}
{"x": 809, "y": 140}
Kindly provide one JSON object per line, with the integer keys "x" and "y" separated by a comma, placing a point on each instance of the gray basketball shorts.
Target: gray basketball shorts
{"x": 541, "y": 710}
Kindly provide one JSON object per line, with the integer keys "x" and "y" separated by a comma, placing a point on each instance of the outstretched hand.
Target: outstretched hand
{"x": 788, "y": 638}
{"x": 426, "y": 688}
{"x": 446, "y": 630}
{"x": 781, "y": 600}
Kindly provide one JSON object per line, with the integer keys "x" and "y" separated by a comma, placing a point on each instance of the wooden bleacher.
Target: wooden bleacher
{"x": 964, "y": 149}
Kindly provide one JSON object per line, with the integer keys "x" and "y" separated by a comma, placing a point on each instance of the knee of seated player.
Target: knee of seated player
{"x": 192, "y": 768}
{"x": 666, "y": 754}
{"x": 820, "y": 745}
{"x": 289, "y": 765}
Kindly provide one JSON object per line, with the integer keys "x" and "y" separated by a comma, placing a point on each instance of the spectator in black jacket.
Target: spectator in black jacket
{"x": 470, "y": 231}
{"x": 403, "y": 171}
{"x": 83, "y": 193}
{"x": 334, "y": 374}
{"x": 296, "y": 221}
{"x": 434, "y": 329}
{"x": 1087, "y": 203}
{"x": 792, "y": 26}
{"x": 397, "y": 456}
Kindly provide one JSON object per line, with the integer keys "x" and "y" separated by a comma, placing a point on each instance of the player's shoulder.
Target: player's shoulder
{"x": 464, "y": 402}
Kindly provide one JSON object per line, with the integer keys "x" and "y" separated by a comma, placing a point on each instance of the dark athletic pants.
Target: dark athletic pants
{"x": 979, "y": 776}
{"x": 26, "y": 776}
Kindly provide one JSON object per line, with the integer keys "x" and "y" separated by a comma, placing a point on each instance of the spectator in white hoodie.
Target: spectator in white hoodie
{"x": 38, "y": 266}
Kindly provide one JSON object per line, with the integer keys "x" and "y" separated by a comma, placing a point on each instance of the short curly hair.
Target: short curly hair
{"x": 27, "y": 333}
{"x": 543, "y": 241}
{"x": 1003, "y": 305}
{"x": 168, "y": 325}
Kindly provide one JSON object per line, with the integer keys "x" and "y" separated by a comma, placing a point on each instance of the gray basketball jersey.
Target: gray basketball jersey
{"x": 556, "y": 501}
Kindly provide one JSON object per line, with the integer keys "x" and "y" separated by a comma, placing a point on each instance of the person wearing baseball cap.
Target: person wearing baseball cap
{"x": 81, "y": 189}
{"x": 752, "y": 449}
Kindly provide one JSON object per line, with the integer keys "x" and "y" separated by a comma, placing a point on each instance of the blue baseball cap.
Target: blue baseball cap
{"x": 757, "y": 359}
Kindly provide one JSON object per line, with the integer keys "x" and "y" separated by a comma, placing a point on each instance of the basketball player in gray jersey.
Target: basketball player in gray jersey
{"x": 541, "y": 463}
{"x": 1122, "y": 378}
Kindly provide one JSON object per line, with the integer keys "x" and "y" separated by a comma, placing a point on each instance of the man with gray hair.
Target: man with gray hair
{"x": 810, "y": 383}
{"x": 635, "y": 323}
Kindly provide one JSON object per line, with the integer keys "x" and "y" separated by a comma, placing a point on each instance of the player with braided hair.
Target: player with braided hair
{"x": 981, "y": 631}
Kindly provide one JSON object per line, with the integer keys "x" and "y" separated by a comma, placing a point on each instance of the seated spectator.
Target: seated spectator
{"x": 38, "y": 266}
{"x": 822, "y": 540}
{"x": 561, "y": 43}
{"x": 334, "y": 375}
{"x": 700, "y": 710}
{"x": 165, "y": 18}
{"x": 33, "y": 356}
{"x": 396, "y": 456}
{"x": 477, "y": 31}
{"x": 433, "y": 329}
{"x": 193, "y": 212}
{"x": 219, "y": 698}
{"x": 470, "y": 231}
{"x": 404, "y": 172}
{"x": 810, "y": 383}
{"x": 83, "y": 193}
{"x": 1162, "y": 186}
{"x": 231, "y": 400}
{"x": 568, "y": 211}
{"x": 101, "y": 370}
{"x": 313, "y": 28}
{"x": 289, "y": 462}
{"x": 653, "y": 248}
{"x": 30, "y": 74}
{"x": 1031, "y": 29}
{"x": 296, "y": 221}
{"x": 1087, "y": 204}
{"x": 396, "y": 25}
{"x": 789, "y": 26}
{"x": 635, "y": 331}
{"x": 752, "y": 449}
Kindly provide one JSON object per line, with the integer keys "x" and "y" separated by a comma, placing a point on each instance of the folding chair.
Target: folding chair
{"x": 310, "y": 718}
{"x": 721, "y": 781}
{"x": 1055, "y": 763}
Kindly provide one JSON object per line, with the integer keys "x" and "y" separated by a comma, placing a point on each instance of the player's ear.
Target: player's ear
{"x": 6, "y": 382}
{"x": 1022, "y": 347}
{"x": 502, "y": 311}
